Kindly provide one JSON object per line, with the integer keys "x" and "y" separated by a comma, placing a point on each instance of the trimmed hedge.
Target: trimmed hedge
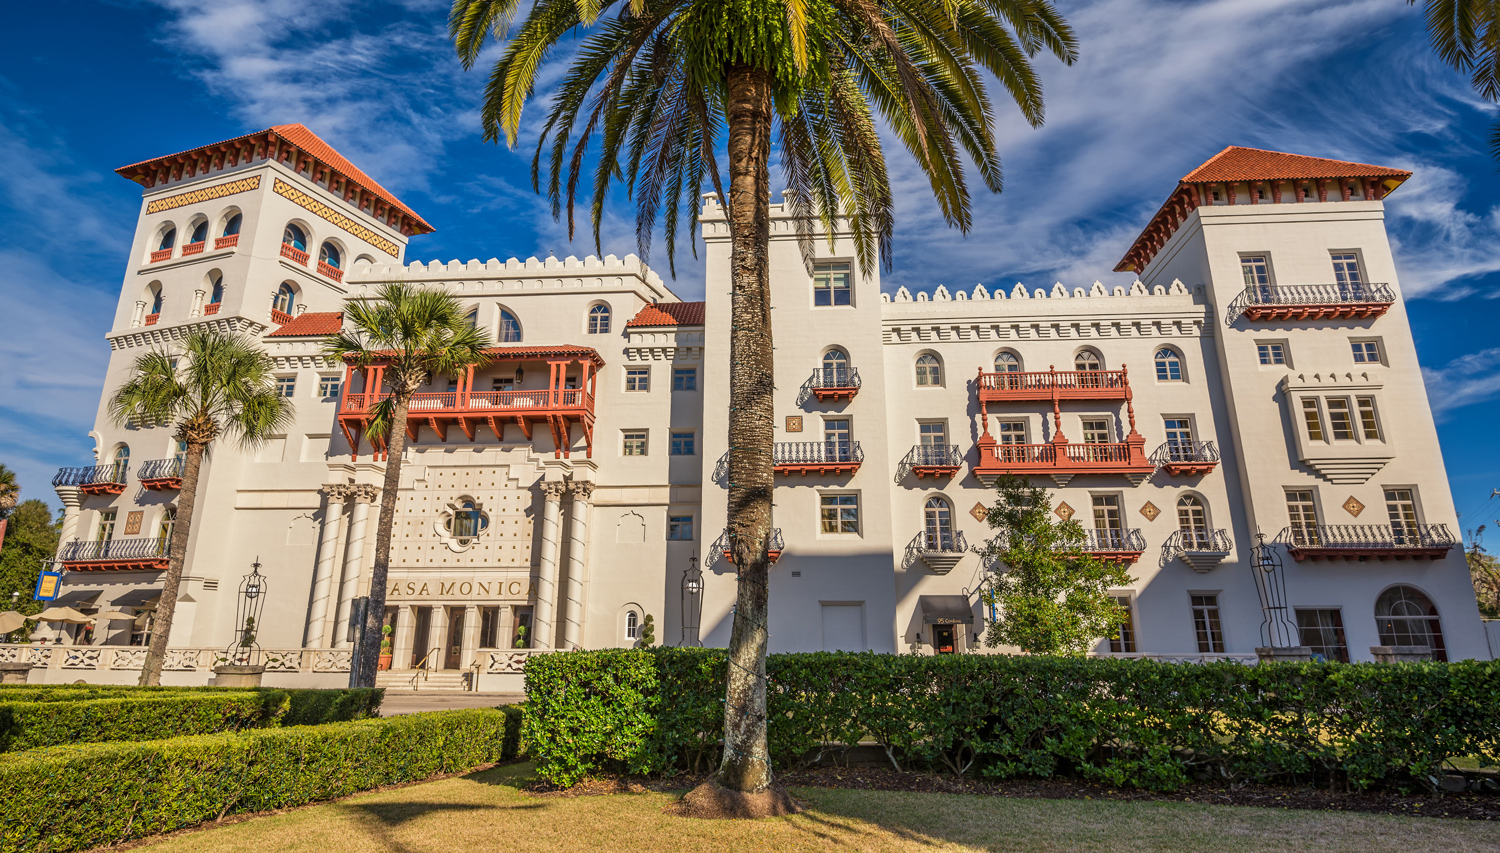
{"x": 78, "y": 797}
{"x": 1124, "y": 722}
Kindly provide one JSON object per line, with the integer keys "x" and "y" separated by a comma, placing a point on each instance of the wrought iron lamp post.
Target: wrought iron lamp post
{"x": 692, "y": 603}
{"x": 1276, "y": 630}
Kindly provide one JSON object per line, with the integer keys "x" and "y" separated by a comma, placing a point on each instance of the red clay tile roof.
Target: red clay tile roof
{"x": 299, "y": 136}
{"x": 1237, "y": 164}
{"x": 311, "y": 324}
{"x": 668, "y": 314}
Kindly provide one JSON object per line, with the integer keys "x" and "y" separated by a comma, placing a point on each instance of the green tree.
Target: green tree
{"x": 31, "y": 538}
{"x": 415, "y": 334}
{"x": 10, "y": 491}
{"x": 218, "y": 384}
{"x": 1466, "y": 35}
{"x": 1053, "y": 597}
{"x": 1484, "y": 571}
{"x": 648, "y": 632}
{"x": 656, "y": 86}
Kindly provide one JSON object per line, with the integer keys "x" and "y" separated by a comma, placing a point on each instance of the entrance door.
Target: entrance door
{"x": 453, "y": 651}
{"x": 421, "y": 626}
{"x": 942, "y": 639}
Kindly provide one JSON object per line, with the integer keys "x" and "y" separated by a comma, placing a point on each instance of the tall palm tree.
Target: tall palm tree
{"x": 219, "y": 384}
{"x": 10, "y": 491}
{"x": 655, "y": 85}
{"x": 1466, "y": 35}
{"x": 414, "y": 333}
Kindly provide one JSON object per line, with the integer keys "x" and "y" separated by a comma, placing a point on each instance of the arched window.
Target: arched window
{"x": 1168, "y": 365}
{"x": 285, "y": 296}
{"x": 835, "y": 368}
{"x": 472, "y": 318}
{"x": 1406, "y": 617}
{"x": 510, "y": 327}
{"x": 168, "y": 239}
{"x": 295, "y": 237}
{"x": 168, "y": 521}
{"x": 1087, "y": 360}
{"x": 1007, "y": 362}
{"x": 232, "y": 225}
{"x": 200, "y": 232}
{"x": 1192, "y": 521}
{"x": 632, "y": 626}
{"x": 156, "y": 300}
{"x": 938, "y": 528}
{"x": 929, "y": 371}
{"x": 217, "y": 290}
{"x": 181, "y": 454}
{"x": 329, "y": 254}
{"x": 120, "y": 463}
{"x": 599, "y": 320}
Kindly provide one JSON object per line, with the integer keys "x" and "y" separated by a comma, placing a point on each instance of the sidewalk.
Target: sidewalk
{"x": 413, "y": 701}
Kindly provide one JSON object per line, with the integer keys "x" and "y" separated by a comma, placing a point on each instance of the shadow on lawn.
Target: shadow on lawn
{"x": 385, "y": 817}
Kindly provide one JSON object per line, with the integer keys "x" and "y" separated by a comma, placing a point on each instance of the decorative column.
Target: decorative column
{"x": 471, "y": 636}
{"x": 577, "y": 563}
{"x": 406, "y": 630}
{"x": 354, "y": 559}
{"x": 72, "y": 501}
{"x": 543, "y": 632}
{"x": 319, "y": 615}
{"x": 505, "y": 635}
{"x": 197, "y": 303}
{"x": 437, "y": 637}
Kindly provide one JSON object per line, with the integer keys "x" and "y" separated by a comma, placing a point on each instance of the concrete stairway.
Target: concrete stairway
{"x": 443, "y": 680}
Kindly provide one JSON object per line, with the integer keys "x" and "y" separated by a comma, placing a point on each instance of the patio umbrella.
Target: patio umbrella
{"x": 113, "y": 616}
{"x": 10, "y": 620}
{"x": 63, "y": 614}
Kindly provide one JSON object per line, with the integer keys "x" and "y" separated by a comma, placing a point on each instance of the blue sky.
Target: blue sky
{"x": 1161, "y": 86}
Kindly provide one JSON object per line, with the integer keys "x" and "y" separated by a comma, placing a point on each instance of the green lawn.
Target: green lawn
{"x": 485, "y": 811}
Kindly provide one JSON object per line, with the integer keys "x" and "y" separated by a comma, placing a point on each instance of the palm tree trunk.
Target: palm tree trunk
{"x": 369, "y": 644}
{"x": 166, "y": 606}
{"x": 746, "y": 766}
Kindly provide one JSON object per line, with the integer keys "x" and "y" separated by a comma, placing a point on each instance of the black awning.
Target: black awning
{"x": 946, "y": 610}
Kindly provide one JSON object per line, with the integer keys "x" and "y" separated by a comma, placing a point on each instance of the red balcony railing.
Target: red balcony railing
{"x": 293, "y": 254}
{"x": 192, "y": 248}
{"x": 211, "y": 309}
{"x": 280, "y": 318}
{"x": 1063, "y": 460}
{"x": 332, "y": 272}
{"x": 161, "y": 255}
{"x": 1054, "y": 385}
{"x": 152, "y": 318}
{"x": 558, "y": 408}
{"x": 228, "y": 241}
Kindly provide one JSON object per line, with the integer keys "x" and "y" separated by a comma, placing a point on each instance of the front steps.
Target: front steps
{"x": 409, "y": 680}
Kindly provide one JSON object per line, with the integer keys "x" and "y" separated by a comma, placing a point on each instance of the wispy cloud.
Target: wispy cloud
{"x": 1464, "y": 381}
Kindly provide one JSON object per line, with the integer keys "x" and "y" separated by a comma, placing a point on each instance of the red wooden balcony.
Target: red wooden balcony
{"x": 817, "y": 457}
{"x": 280, "y": 318}
{"x": 937, "y": 461}
{"x": 1063, "y": 460}
{"x": 120, "y": 555}
{"x": 211, "y": 309}
{"x": 1053, "y": 385}
{"x": 161, "y": 255}
{"x": 159, "y": 474}
{"x": 152, "y": 318}
{"x": 834, "y": 384}
{"x": 1118, "y": 544}
{"x": 1261, "y": 302}
{"x": 1367, "y": 541}
{"x": 556, "y": 407}
{"x": 95, "y": 479}
{"x": 332, "y": 272}
{"x": 1186, "y": 458}
{"x": 293, "y": 254}
{"x": 192, "y": 248}
{"x": 228, "y": 241}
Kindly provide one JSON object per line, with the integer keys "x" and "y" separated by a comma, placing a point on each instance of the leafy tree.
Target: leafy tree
{"x": 415, "y": 334}
{"x": 656, "y": 86}
{"x": 1484, "y": 571}
{"x": 1053, "y": 597}
{"x": 10, "y": 491}
{"x": 220, "y": 384}
{"x": 1466, "y": 35}
{"x": 31, "y": 537}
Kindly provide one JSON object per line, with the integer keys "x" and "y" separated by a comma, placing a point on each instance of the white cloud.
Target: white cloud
{"x": 1468, "y": 379}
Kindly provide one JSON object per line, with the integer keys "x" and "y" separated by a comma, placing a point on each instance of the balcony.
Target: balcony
{"x": 192, "y": 248}
{"x": 1186, "y": 458}
{"x": 1119, "y": 544}
{"x": 1367, "y": 541}
{"x": 161, "y": 255}
{"x": 120, "y": 555}
{"x": 211, "y": 309}
{"x": 1054, "y": 385}
{"x": 834, "y": 384}
{"x": 773, "y": 552}
{"x": 330, "y": 271}
{"x": 817, "y": 457}
{"x": 1062, "y": 460}
{"x": 935, "y": 460}
{"x": 159, "y": 474}
{"x": 280, "y": 318}
{"x": 151, "y": 319}
{"x": 1261, "y": 302}
{"x": 1200, "y": 549}
{"x": 293, "y": 254}
{"x": 94, "y": 480}
{"x": 941, "y": 550}
{"x": 228, "y": 241}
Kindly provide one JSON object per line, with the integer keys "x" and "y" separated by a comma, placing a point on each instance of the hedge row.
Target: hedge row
{"x": 78, "y": 797}
{"x": 50, "y": 720}
{"x": 1125, "y": 722}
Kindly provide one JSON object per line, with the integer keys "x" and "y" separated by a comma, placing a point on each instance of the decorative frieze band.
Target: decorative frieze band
{"x": 205, "y": 194}
{"x": 312, "y": 205}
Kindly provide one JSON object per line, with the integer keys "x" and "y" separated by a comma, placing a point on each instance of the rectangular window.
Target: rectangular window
{"x": 1302, "y": 512}
{"x": 684, "y": 379}
{"x": 840, "y": 513}
{"x": 1256, "y": 269}
{"x": 1206, "y": 624}
{"x": 1338, "y": 419}
{"x": 106, "y": 525}
{"x": 637, "y": 379}
{"x": 1313, "y": 419}
{"x": 1401, "y": 508}
{"x": 328, "y": 387}
{"x": 1323, "y": 632}
{"x": 1106, "y": 512}
{"x": 1096, "y": 432}
{"x": 680, "y": 528}
{"x": 1012, "y": 432}
{"x": 452, "y": 386}
{"x": 837, "y": 446}
{"x": 1367, "y": 421}
{"x": 286, "y": 386}
{"x": 1179, "y": 433}
{"x": 1271, "y": 353}
{"x": 933, "y": 434}
{"x": 831, "y": 284}
{"x": 1346, "y": 270}
{"x": 635, "y": 443}
{"x": 489, "y": 627}
{"x": 1366, "y": 352}
{"x": 503, "y": 383}
{"x": 682, "y": 443}
{"x": 1124, "y": 639}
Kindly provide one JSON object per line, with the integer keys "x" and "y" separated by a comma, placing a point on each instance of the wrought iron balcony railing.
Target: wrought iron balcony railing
{"x": 1186, "y": 457}
{"x": 1200, "y": 549}
{"x": 939, "y": 460}
{"x": 823, "y": 457}
{"x": 940, "y": 548}
{"x": 774, "y": 546}
{"x": 1115, "y": 541}
{"x": 830, "y": 377}
{"x": 113, "y": 549}
{"x": 1311, "y": 301}
{"x": 1382, "y": 541}
{"x": 95, "y": 479}
{"x": 160, "y": 474}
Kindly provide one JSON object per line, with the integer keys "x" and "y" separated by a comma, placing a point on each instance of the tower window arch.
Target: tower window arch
{"x": 1007, "y": 362}
{"x": 329, "y": 254}
{"x": 1192, "y": 522}
{"x": 835, "y": 369}
{"x": 200, "y": 232}
{"x": 286, "y": 296}
{"x": 168, "y": 238}
{"x": 1168, "y": 365}
{"x": 599, "y": 320}
{"x": 294, "y": 236}
{"x": 216, "y": 289}
{"x": 156, "y": 299}
{"x": 510, "y": 327}
{"x": 937, "y": 527}
{"x": 119, "y": 463}
{"x": 232, "y": 224}
{"x": 1404, "y": 616}
{"x": 1087, "y": 360}
{"x": 929, "y": 371}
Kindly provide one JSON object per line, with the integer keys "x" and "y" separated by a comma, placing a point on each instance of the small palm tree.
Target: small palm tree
{"x": 220, "y": 384}
{"x": 10, "y": 491}
{"x": 414, "y": 333}
{"x": 656, "y": 86}
{"x": 1466, "y": 35}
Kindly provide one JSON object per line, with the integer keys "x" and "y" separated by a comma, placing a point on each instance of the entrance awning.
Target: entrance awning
{"x": 946, "y": 610}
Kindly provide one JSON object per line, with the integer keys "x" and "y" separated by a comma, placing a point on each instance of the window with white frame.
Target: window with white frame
{"x": 1123, "y": 642}
{"x": 1206, "y": 624}
{"x": 1312, "y": 417}
{"x": 1369, "y": 424}
{"x": 1256, "y": 270}
{"x": 1007, "y": 362}
{"x": 1323, "y": 632}
{"x": 510, "y": 328}
{"x": 831, "y": 284}
{"x": 106, "y": 530}
{"x": 1179, "y": 438}
{"x": 1302, "y": 516}
{"x": 682, "y": 443}
{"x": 838, "y": 443}
{"x": 937, "y": 524}
{"x": 1271, "y": 352}
{"x": 637, "y": 379}
{"x": 1096, "y": 431}
{"x": 1088, "y": 361}
{"x": 835, "y": 370}
{"x": 1168, "y": 365}
{"x": 1340, "y": 422}
{"x": 933, "y": 434}
{"x": 634, "y": 443}
{"x": 1401, "y": 509}
{"x": 1192, "y": 523}
{"x": 1404, "y": 616}
{"x": 1012, "y": 432}
{"x": 839, "y": 513}
{"x": 632, "y": 626}
{"x": 929, "y": 371}
{"x": 684, "y": 379}
{"x": 599, "y": 320}
{"x": 679, "y": 528}
{"x": 286, "y": 386}
{"x": 1366, "y": 352}
{"x": 1346, "y": 272}
{"x": 328, "y": 387}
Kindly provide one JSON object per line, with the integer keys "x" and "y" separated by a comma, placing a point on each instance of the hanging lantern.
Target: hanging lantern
{"x": 244, "y": 648}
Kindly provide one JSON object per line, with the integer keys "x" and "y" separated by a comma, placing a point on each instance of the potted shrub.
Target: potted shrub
{"x": 520, "y": 636}
{"x": 385, "y": 647}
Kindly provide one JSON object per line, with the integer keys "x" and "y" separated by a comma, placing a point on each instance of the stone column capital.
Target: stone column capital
{"x": 553, "y": 489}
{"x": 582, "y": 490}
{"x": 337, "y": 492}
{"x": 365, "y": 493}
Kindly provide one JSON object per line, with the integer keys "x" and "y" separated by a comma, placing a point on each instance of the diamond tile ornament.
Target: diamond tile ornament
{"x": 979, "y": 512}
{"x": 1353, "y": 506}
{"x": 1150, "y": 511}
{"x": 793, "y": 423}
{"x": 1064, "y": 511}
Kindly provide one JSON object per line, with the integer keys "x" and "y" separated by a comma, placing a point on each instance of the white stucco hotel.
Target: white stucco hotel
{"x": 1259, "y": 376}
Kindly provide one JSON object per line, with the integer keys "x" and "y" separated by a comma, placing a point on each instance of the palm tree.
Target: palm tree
{"x": 1466, "y": 35}
{"x": 220, "y": 384}
{"x": 10, "y": 491}
{"x": 414, "y": 334}
{"x": 652, "y": 86}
